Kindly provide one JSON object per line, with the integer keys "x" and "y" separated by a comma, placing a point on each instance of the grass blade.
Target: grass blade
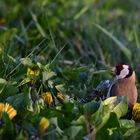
{"x": 121, "y": 46}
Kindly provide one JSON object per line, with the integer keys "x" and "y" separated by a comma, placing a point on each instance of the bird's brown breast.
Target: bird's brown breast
{"x": 125, "y": 87}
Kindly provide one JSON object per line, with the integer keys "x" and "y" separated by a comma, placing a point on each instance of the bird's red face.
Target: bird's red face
{"x": 122, "y": 71}
{"x": 118, "y": 69}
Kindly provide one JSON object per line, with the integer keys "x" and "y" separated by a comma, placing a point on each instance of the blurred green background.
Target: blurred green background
{"x": 95, "y": 34}
{"x": 100, "y": 33}
{"x": 74, "y": 43}
{"x": 72, "y": 23}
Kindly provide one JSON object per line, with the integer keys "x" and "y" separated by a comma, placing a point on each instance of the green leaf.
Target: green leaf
{"x": 24, "y": 81}
{"x": 7, "y": 36}
{"x": 27, "y": 62}
{"x": 43, "y": 67}
{"x": 54, "y": 121}
{"x": 91, "y": 107}
{"x": 127, "y": 123}
{"x": 97, "y": 116}
{"x": 8, "y": 128}
{"x": 80, "y": 120}
{"x": 73, "y": 131}
{"x": 29, "y": 127}
{"x": 104, "y": 120}
{"x": 75, "y": 73}
{"x": 129, "y": 126}
{"x": 134, "y": 136}
{"x": 122, "y": 108}
{"x": 113, "y": 121}
{"x": 6, "y": 89}
{"x": 21, "y": 136}
{"x": 109, "y": 125}
{"x": 19, "y": 101}
{"x": 48, "y": 75}
{"x": 117, "y": 104}
{"x": 11, "y": 58}
{"x": 60, "y": 88}
{"x": 2, "y": 81}
{"x": 3, "y": 84}
{"x": 64, "y": 137}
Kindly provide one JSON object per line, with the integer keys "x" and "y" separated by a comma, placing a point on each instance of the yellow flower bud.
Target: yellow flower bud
{"x": 60, "y": 96}
{"x": 136, "y": 112}
{"x": 47, "y": 97}
{"x": 33, "y": 72}
{"x": 43, "y": 124}
{"x": 1, "y": 108}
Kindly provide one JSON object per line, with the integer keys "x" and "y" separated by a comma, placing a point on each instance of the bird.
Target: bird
{"x": 124, "y": 84}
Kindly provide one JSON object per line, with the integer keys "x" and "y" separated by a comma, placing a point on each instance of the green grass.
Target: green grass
{"x": 73, "y": 44}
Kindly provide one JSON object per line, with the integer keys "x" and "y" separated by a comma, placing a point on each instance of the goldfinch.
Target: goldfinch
{"x": 124, "y": 84}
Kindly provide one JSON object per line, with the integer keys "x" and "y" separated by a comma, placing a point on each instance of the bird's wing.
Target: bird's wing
{"x": 110, "y": 88}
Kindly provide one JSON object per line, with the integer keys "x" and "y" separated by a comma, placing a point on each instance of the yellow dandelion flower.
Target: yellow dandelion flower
{"x": 60, "y": 96}
{"x": 47, "y": 97}
{"x": 33, "y": 72}
{"x": 8, "y": 109}
{"x": 3, "y": 21}
{"x": 43, "y": 124}
{"x": 136, "y": 112}
{"x": 1, "y": 107}
{"x": 32, "y": 82}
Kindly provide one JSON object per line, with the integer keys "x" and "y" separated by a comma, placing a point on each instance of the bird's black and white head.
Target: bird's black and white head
{"x": 122, "y": 71}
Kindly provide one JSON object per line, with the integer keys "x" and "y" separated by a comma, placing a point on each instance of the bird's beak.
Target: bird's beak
{"x": 113, "y": 69}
